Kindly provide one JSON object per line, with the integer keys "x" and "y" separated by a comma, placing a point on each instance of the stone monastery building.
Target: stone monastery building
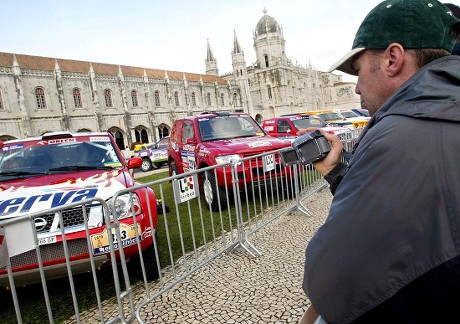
{"x": 137, "y": 104}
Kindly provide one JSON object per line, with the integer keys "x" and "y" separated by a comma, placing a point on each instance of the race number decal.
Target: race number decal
{"x": 100, "y": 242}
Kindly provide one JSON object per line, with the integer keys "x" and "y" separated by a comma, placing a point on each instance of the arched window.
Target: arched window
{"x": 40, "y": 98}
{"x": 266, "y": 61}
{"x": 193, "y": 99}
{"x": 176, "y": 98}
{"x": 141, "y": 134}
{"x": 1, "y": 102}
{"x": 235, "y": 99}
{"x": 77, "y": 98}
{"x": 108, "y": 98}
{"x": 208, "y": 99}
{"x": 157, "y": 98}
{"x": 269, "y": 92}
{"x": 222, "y": 102}
{"x": 134, "y": 98}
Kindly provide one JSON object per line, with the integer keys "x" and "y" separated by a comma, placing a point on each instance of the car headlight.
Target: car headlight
{"x": 125, "y": 206}
{"x": 228, "y": 158}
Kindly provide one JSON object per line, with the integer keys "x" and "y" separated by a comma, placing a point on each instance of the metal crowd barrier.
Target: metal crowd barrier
{"x": 257, "y": 191}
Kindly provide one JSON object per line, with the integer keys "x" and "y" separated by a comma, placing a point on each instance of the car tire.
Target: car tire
{"x": 146, "y": 165}
{"x": 212, "y": 192}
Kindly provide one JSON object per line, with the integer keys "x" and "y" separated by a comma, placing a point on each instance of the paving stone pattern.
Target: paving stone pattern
{"x": 238, "y": 288}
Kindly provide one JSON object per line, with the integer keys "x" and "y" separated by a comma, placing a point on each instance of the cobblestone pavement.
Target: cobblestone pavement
{"x": 238, "y": 288}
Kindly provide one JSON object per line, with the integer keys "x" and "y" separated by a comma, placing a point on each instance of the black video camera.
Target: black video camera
{"x": 307, "y": 148}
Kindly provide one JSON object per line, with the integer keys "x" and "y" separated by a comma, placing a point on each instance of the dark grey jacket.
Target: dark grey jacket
{"x": 396, "y": 213}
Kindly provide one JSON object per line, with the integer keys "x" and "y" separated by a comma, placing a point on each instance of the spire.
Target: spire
{"x": 209, "y": 56}
{"x": 211, "y": 62}
{"x": 236, "y": 46}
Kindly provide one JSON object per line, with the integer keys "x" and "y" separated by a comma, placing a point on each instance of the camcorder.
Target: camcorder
{"x": 307, "y": 148}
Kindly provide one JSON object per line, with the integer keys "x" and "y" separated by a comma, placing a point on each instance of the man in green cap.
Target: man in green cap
{"x": 389, "y": 251}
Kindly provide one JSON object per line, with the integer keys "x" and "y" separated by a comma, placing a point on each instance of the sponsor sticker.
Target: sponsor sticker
{"x": 99, "y": 139}
{"x": 186, "y": 188}
{"x": 62, "y": 140}
{"x": 259, "y": 144}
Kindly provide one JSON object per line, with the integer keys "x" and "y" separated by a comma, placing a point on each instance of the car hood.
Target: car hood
{"x": 27, "y": 195}
{"x": 243, "y": 145}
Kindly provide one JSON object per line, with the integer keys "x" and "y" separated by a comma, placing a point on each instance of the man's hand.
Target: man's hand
{"x": 333, "y": 157}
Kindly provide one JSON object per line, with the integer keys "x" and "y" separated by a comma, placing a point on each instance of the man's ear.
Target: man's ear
{"x": 394, "y": 59}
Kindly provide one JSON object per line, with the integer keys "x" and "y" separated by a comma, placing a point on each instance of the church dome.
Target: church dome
{"x": 267, "y": 25}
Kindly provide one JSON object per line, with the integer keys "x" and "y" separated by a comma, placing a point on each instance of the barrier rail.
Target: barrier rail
{"x": 251, "y": 193}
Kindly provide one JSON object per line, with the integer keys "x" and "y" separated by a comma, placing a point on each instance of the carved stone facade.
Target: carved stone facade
{"x": 40, "y": 94}
{"x": 135, "y": 104}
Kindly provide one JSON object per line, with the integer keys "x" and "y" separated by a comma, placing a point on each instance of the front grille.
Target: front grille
{"x": 71, "y": 217}
{"x": 50, "y": 252}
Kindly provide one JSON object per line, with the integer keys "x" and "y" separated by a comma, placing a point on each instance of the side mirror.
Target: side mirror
{"x": 134, "y": 162}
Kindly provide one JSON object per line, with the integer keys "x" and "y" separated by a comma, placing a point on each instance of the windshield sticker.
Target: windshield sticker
{"x": 99, "y": 139}
{"x": 13, "y": 147}
{"x": 259, "y": 144}
{"x": 62, "y": 140}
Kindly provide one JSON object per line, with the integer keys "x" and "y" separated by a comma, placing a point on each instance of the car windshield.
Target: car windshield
{"x": 34, "y": 158}
{"x": 163, "y": 143}
{"x": 224, "y": 127}
{"x": 349, "y": 114}
{"x": 308, "y": 122}
{"x": 331, "y": 116}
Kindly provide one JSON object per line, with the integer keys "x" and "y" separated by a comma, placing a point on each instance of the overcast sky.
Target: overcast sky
{"x": 173, "y": 34}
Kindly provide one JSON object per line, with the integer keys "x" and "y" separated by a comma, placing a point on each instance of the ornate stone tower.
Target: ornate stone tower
{"x": 269, "y": 42}
{"x": 211, "y": 62}
{"x": 240, "y": 74}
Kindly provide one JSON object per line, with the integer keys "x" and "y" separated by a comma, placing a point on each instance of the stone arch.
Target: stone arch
{"x": 259, "y": 118}
{"x": 119, "y": 136}
{"x": 142, "y": 134}
{"x": 271, "y": 111}
{"x": 84, "y": 130}
{"x": 163, "y": 130}
{"x": 4, "y": 138}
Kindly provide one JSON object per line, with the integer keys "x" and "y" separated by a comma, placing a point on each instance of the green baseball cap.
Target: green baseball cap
{"x": 411, "y": 23}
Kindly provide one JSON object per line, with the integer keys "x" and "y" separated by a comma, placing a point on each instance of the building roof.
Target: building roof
{"x": 66, "y": 65}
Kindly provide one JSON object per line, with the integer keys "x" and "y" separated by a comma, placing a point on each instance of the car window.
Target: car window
{"x": 187, "y": 132}
{"x": 283, "y": 126}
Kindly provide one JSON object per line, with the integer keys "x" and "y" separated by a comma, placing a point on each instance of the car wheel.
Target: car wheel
{"x": 146, "y": 164}
{"x": 212, "y": 192}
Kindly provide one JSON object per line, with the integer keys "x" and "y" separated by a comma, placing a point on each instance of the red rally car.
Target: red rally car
{"x": 57, "y": 169}
{"x": 213, "y": 138}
